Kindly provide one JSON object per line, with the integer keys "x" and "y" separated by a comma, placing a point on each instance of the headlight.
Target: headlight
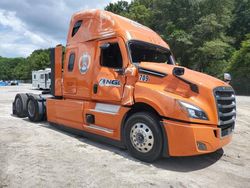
{"x": 193, "y": 111}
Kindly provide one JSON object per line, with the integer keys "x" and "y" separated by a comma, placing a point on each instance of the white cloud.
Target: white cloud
{"x": 28, "y": 25}
{"x": 16, "y": 39}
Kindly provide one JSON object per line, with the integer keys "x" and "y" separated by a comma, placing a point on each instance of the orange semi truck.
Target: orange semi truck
{"x": 119, "y": 83}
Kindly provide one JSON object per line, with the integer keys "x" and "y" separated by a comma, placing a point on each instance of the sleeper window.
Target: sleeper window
{"x": 111, "y": 56}
{"x": 71, "y": 62}
{"x": 76, "y": 27}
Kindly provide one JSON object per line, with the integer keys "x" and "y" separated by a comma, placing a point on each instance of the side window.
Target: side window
{"x": 76, "y": 27}
{"x": 42, "y": 76}
{"x": 71, "y": 62}
{"x": 111, "y": 56}
{"x": 34, "y": 76}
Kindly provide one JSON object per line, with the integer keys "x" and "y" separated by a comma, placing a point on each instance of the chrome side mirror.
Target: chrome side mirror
{"x": 227, "y": 78}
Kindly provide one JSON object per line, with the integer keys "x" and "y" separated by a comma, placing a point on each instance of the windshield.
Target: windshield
{"x": 146, "y": 52}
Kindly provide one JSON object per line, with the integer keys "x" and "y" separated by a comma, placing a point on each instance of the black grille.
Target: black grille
{"x": 226, "y": 106}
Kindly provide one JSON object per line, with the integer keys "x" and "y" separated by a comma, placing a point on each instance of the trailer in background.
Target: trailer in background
{"x": 41, "y": 79}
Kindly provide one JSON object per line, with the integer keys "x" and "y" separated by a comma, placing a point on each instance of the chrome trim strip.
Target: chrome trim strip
{"x": 232, "y": 113}
{"x": 227, "y": 106}
{"x": 101, "y": 111}
{"x": 99, "y": 128}
{"x": 151, "y": 72}
{"x": 226, "y": 122}
{"x": 225, "y": 98}
{"x": 107, "y": 108}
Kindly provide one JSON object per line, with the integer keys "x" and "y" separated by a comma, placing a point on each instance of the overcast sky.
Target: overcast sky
{"x": 26, "y": 25}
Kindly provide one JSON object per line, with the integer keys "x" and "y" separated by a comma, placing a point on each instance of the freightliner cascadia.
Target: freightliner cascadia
{"x": 119, "y": 83}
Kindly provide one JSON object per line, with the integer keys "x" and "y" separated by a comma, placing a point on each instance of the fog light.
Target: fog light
{"x": 201, "y": 146}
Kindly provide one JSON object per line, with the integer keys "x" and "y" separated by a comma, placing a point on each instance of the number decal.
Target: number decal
{"x": 143, "y": 77}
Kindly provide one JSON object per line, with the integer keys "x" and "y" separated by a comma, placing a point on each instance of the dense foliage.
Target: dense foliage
{"x": 240, "y": 67}
{"x": 21, "y": 68}
{"x": 212, "y": 36}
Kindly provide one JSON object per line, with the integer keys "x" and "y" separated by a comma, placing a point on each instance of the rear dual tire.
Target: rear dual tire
{"x": 19, "y": 105}
{"x": 30, "y": 105}
{"x": 35, "y": 109}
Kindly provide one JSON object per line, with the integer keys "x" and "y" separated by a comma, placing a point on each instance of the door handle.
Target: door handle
{"x": 95, "y": 88}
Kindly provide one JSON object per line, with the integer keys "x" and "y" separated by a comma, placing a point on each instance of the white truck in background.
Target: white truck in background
{"x": 41, "y": 79}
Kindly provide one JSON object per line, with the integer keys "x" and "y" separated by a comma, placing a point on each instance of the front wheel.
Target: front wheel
{"x": 143, "y": 136}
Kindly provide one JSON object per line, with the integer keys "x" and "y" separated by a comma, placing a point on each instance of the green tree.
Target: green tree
{"x": 213, "y": 56}
{"x": 139, "y": 12}
{"x": 240, "y": 68}
{"x": 7, "y": 66}
{"x": 21, "y": 68}
{"x": 136, "y": 10}
{"x": 121, "y": 7}
{"x": 39, "y": 59}
{"x": 240, "y": 25}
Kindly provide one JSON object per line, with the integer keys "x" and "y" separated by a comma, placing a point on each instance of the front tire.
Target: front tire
{"x": 143, "y": 136}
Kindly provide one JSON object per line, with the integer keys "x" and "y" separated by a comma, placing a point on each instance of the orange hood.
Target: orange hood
{"x": 198, "y": 78}
{"x": 165, "y": 85}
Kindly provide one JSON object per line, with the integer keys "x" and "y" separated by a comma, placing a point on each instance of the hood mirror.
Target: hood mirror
{"x": 227, "y": 78}
{"x": 105, "y": 46}
{"x": 178, "y": 71}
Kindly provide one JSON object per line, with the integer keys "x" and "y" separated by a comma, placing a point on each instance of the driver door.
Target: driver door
{"x": 109, "y": 78}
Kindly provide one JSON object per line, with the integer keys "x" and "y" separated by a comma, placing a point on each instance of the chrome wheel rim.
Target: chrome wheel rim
{"x": 31, "y": 109}
{"x": 141, "y": 137}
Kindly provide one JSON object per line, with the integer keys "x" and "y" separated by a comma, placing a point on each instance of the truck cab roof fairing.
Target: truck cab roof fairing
{"x": 98, "y": 24}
